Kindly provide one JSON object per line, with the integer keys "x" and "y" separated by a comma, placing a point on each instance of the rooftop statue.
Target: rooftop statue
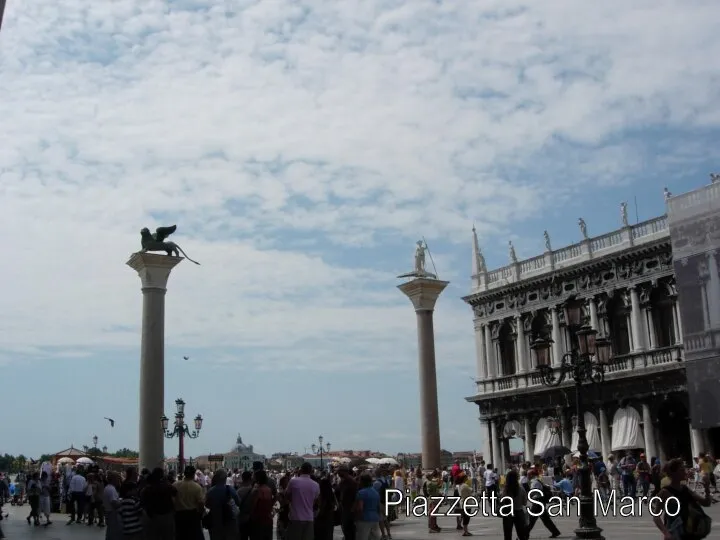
{"x": 420, "y": 271}
{"x": 624, "y": 214}
{"x": 583, "y": 228}
{"x": 156, "y": 242}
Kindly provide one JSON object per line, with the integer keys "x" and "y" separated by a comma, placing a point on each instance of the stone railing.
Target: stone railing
{"x": 628, "y": 365}
{"x": 702, "y": 342}
{"x": 597, "y": 246}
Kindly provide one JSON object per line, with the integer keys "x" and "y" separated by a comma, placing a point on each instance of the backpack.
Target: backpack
{"x": 383, "y": 489}
{"x": 696, "y": 524}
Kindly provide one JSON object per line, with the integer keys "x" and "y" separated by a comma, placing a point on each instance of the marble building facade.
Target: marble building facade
{"x": 625, "y": 284}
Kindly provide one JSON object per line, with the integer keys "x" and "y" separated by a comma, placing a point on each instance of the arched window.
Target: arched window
{"x": 663, "y": 317}
{"x": 506, "y": 342}
{"x": 617, "y": 317}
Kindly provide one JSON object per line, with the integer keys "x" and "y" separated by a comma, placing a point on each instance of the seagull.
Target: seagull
{"x": 186, "y": 358}
{"x": 112, "y": 422}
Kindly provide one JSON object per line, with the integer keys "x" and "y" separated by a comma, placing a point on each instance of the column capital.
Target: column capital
{"x": 423, "y": 292}
{"x": 153, "y": 269}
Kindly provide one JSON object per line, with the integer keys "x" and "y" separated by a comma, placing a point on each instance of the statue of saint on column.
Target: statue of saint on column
{"x": 420, "y": 271}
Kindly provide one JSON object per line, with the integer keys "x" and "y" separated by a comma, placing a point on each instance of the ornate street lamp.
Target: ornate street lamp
{"x": 181, "y": 430}
{"x": 104, "y": 449}
{"x": 95, "y": 440}
{"x": 319, "y": 449}
{"x": 586, "y": 364}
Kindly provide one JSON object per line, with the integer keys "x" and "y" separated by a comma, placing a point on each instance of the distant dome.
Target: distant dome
{"x": 239, "y": 446}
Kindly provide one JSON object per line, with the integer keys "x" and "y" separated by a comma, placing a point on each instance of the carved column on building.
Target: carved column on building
{"x": 497, "y": 456}
{"x": 565, "y": 429}
{"x": 605, "y": 435}
{"x": 592, "y": 305}
{"x": 648, "y": 433}
{"x": 490, "y": 353}
{"x": 704, "y": 275}
{"x": 647, "y": 317}
{"x": 557, "y": 344}
{"x": 636, "y": 321}
{"x": 529, "y": 439}
{"x": 521, "y": 345}
{"x": 713, "y": 290}
{"x": 481, "y": 361}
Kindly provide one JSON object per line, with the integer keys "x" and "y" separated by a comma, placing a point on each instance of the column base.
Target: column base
{"x": 588, "y": 529}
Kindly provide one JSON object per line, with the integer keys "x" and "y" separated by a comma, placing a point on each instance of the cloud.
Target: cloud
{"x": 302, "y": 147}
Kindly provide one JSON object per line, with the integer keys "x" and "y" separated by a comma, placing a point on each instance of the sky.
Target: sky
{"x": 302, "y": 147}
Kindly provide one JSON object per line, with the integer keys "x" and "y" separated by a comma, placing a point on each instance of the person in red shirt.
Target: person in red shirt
{"x": 456, "y": 470}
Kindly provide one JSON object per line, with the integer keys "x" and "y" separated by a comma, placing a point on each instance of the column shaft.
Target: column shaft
{"x": 557, "y": 344}
{"x": 521, "y": 348}
{"x": 713, "y": 290}
{"x": 650, "y": 325}
{"x": 490, "y": 353}
{"x": 705, "y": 306}
{"x": 605, "y": 436}
{"x": 430, "y": 421}
{"x": 593, "y": 315}
{"x": 485, "y": 431}
{"x": 497, "y": 456}
{"x": 152, "y": 378}
{"x": 636, "y": 322}
{"x": 529, "y": 440}
{"x": 480, "y": 351}
{"x": 696, "y": 442}
{"x": 648, "y": 433}
{"x": 677, "y": 324}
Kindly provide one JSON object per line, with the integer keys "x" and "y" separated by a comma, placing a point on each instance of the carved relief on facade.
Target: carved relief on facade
{"x": 644, "y": 293}
{"x": 671, "y": 286}
{"x": 517, "y": 300}
{"x": 495, "y": 329}
{"x": 527, "y": 319}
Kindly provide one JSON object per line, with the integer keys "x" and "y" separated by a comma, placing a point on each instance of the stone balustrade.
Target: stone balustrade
{"x": 627, "y": 365}
{"x": 598, "y": 246}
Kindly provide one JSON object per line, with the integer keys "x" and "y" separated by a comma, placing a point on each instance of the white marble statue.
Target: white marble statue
{"x": 583, "y": 228}
{"x": 667, "y": 193}
{"x": 714, "y": 177}
{"x": 420, "y": 257}
{"x": 624, "y": 214}
{"x": 513, "y": 256}
{"x": 548, "y": 247}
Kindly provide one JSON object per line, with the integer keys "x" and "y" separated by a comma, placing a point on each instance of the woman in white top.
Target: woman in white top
{"x": 519, "y": 517}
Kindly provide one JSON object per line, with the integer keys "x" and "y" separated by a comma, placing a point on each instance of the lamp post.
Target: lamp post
{"x": 181, "y": 430}
{"x": 319, "y": 449}
{"x": 584, "y": 364}
{"x": 104, "y": 449}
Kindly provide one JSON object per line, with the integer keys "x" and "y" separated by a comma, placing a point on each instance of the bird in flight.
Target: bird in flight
{"x": 112, "y": 422}
{"x": 186, "y": 358}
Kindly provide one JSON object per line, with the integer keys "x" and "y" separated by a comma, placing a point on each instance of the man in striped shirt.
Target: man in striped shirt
{"x": 131, "y": 514}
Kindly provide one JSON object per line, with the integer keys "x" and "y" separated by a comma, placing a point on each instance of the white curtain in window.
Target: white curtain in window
{"x": 626, "y": 430}
{"x": 593, "y": 434}
{"x": 544, "y": 438}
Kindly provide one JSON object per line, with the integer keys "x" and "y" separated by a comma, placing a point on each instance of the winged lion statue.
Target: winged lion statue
{"x": 156, "y": 242}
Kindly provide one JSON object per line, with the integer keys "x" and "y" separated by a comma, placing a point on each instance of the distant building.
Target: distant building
{"x": 241, "y": 456}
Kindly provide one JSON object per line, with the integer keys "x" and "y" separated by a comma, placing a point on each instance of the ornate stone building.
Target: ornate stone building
{"x": 241, "y": 456}
{"x": 625, "y": 285}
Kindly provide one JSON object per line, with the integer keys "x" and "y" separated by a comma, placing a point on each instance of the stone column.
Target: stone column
{"x": 565, "y": 430}
{"x": 423, "y": 293}
{"x": 677, "y": 324}
{"x": 485, "y": 430}
{"x": 593, "y": 315}
{"x": 529, "y": 440}
{"x": 696, "y": 442}
{"x": 605, "y": 436}
{"x": 636, "y": 322}
{"x": 490, "y": 353}
{"x": 557, "y": 344}
{"x": 713, "y": 290}
{"x": 154, "y": 271}
{"x": 704, "y": 296}
{"x": 648, "y": 433}
{"x": 650, "y": 325}
{"x": 497, "y": 456}
{"x": 521, "y": 348}
{"x": 480, "y": 351}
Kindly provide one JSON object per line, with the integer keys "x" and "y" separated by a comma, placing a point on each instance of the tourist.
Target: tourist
{"x": 677, "y": 526}
{"x": 464, "y": 492}
{"x": 93, "y": 500}
{"x": 223, "y": 505}
{"x": 189, "y": 503}
{"x": 627, "y": 468}
{"x": 45, "y": 505}
{"x": 367, "y": 510}
{"x": 261, "y": 508}
{"x": 491, "y": 480}
{"x": 347, "y": 494}
{"x": 33, "y": 495}
{"x": 381, "y": 485}
{"x": 111, "y": 506}
{"x": 76, "y": 491}
{"x": 244, "y": 491}
{"x": 431, "y": 488}
{"x": 325, "y": 515}
{"x": 283, "y": 513}
{"x": 302, "y": 493}
{"x": 537, "y": 484}
{"x": 131, "y": 513}
{"x": 518, "y": 516}
{"x": 158, "y": 502}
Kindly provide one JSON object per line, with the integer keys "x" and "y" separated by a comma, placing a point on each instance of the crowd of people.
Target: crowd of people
{"x": 308, "y": 504}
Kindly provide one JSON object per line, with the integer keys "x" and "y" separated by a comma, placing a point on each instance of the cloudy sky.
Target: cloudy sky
{"x": 302, "y": 147}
